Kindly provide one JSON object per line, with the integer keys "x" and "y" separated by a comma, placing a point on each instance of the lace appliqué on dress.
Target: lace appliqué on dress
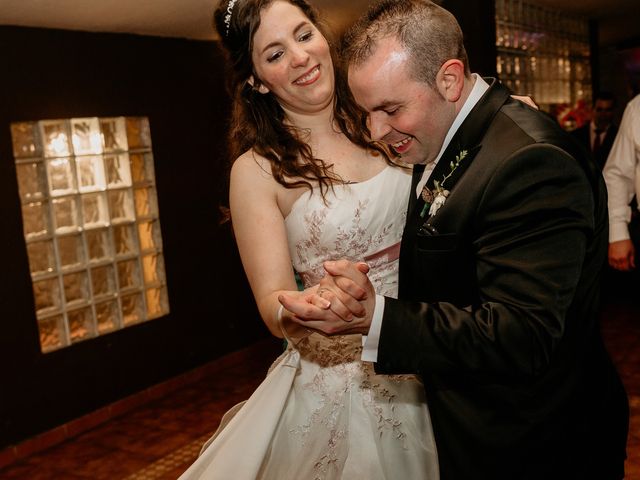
{"x": 340, "y": 379}
{"x": 352, "y": 243}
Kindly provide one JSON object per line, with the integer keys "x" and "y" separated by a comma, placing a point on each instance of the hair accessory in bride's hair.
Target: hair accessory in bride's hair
{"x": 227, "y": 17}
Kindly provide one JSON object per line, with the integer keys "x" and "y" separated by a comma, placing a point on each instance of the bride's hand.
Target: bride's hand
{"x": 288, "y": 326}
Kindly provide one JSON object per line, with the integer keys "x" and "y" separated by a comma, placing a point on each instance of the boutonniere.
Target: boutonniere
{"x": 434, "y": 199}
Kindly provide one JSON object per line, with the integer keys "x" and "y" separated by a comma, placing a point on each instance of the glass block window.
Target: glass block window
{"x": 543, "y": 53}
{"x": 91, "y": 225}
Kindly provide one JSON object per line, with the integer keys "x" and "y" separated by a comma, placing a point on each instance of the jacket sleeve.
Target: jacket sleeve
{"x": 532, "y": 227}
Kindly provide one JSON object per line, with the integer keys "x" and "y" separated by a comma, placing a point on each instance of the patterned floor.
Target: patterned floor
{"x": 170, "y": 463}
{"x": 161, "y": 439}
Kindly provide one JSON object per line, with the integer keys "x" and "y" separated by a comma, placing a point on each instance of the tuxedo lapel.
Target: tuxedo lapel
{"x": 465, "y": 142}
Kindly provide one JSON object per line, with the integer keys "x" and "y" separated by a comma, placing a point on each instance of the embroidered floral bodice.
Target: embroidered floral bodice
{"x": 321, "y": 413}
{"x": 359, "y": 222}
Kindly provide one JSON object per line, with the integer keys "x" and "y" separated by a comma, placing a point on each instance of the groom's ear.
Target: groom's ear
{"x": 450, "y": 79}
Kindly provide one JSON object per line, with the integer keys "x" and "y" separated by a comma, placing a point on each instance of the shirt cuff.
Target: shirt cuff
{"x": 618, "y": 231}
{"x": 372, "y": 339}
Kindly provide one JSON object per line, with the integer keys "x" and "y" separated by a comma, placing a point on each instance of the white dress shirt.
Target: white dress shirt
{"x": 622, "y": 172}
{"x": 370, "y": 342}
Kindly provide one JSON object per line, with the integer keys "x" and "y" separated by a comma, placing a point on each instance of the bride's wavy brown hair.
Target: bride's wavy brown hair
{"x": 258, "y": 120}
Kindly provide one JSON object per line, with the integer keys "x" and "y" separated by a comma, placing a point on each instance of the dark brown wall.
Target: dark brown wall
{"x": 477, "y": 20}
{"x": 178, "y": 84}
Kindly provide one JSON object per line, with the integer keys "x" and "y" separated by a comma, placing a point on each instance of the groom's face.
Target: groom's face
{"x": 406, "y": 114}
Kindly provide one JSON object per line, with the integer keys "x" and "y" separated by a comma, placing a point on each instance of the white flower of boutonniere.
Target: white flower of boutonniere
{"x": 435, "y": 199}
{"x": 441, "y": 197}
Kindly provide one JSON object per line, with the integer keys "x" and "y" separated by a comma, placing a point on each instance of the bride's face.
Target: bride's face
{"x": 292, "y": 59}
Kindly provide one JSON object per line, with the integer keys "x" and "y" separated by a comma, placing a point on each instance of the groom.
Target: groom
{"x": 506, "y": 234}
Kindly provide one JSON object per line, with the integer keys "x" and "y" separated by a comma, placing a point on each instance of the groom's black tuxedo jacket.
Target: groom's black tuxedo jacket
{"x": 498, "y": 302}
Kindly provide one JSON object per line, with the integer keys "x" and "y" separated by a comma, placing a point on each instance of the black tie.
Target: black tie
{"x": 596, "y": 141}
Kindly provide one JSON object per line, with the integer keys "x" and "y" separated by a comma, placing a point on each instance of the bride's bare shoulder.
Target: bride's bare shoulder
{"x": 252, "y": 166}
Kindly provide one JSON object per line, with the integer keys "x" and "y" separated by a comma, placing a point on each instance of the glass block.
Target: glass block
{"x": 81, "y": 326}
{"x": 65, "y": 214}
{"x": 157, "y": 302}
{"x": 138, "y": 134}
{"x": 128, "y": 274}
{"x": 121, "y": 205}
{"x": 26, "y": 140}
{"x": 132, "y": 309}
{"x": 41, "y": 257}
{"x": 46, "y": 294}
{"x": 55, "y": 136}
{"x": 141, "y": 167}
{"x": 114, "y": 134}
{"x": 123, "y": 239}
{"x": 90, "y": 170}
{"x": 98, "y": 245}
{"x": 32, "y": 182}
{"x": 71, "y": 250}
{"x": 85, "y": 136}
{"x": 146, "y": 202}
{"x": 35, "y": 217}
{"x": 76, "y": 287}
{"x": 52, "y": 334}
{"x": 107, "y": 316}
{"x": 94, "y": 210}
{"x": 118, "y": 172}
{"x": 61, "y": 176}
{"x": 97, "y": 217}
{"x": 149, "y": 235}
{"x": 103, "y": 280}
{"x": 153, "y": 269}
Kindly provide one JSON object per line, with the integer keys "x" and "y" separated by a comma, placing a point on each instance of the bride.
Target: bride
{"x": 308, "y": 187}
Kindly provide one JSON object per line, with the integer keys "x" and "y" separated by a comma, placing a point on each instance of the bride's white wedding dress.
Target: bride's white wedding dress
{"x": 321, "y": 413}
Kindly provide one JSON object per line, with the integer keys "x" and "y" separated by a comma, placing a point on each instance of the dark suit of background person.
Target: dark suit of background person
{"x": 602, "y": 121}
{"x": 498, "y": 305}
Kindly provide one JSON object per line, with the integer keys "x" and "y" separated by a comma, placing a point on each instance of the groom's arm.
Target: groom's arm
{"x": 533, "y": 226}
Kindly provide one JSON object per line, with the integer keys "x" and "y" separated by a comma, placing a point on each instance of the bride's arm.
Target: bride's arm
{"x": 260, "y": 232}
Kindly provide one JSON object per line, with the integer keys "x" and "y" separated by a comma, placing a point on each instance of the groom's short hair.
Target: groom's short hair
{"x": 430, "y": 34}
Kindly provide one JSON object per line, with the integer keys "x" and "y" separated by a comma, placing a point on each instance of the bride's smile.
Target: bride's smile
{"x": 292, "y": 59}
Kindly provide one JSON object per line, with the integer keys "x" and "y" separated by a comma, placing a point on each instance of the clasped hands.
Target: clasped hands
{"x": 342, "y": 304}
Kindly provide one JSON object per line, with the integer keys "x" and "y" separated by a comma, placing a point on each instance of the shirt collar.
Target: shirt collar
{"x": 478, "y": 90}
{"x": 593, "y": 127}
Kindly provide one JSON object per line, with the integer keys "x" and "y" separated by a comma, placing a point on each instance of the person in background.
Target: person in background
{"x": 598, "y": 135}
{"x": 622, "y": 176}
